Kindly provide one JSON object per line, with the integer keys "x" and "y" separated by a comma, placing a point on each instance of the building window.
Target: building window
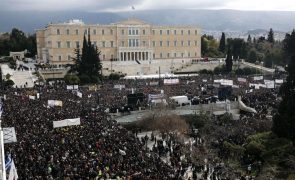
{"x": 112, "y": 32}
{"x": 85, "y": 31}
{"x": 112, "y": 56}
{"x": 69, "y": 57}
{"x": 196, "y": 43}
{"x": 130, "y": 32}
{"x": 168, "y": 55}
{"x": 168, "y": 32}
{"x": 181, "y": 32}
{"x": 160, "y": 32}
{"x": 161, "y": 43}
{"x": 122, "y": 43}
{"x": 112, "y": 43}
{"x": 104, "y": 57}
{"x": 154, "y": 32}
{"x": 175, "y": 43}
{"x": 195, "y": 54}
{"x": 189, "y": 32}
{"x": 58, "y": 32}
{"x": 59, "y": 58}
{"x": 94, "y": 31}
{"x": 102, "y": 32}
{"x": 154, "y": 56}
{"x": 122, "y": 32}
{"x": 133, "y": 42}
{"x": 189, "y": 43}
{"x": 136, "y": 31}
{"x": 94, "y": 43}
{"x": 58, "y": 44}
{"x": 196, "y": 32}
{"x": 182, "y": 43}
{"x": 103, "y": 44}
{"x": 68, "y": 32}
{"x": 161, "y": 55}
{"x": 143, "y": 32}
{"x": 182, "y": 54}
{"x": 168, "y": 43}
{"x": 129, "y": 42}
{"x": 77, "y": 31}
{"x": 154, "y": 43}
{"x": 133, "y": 31}
{"x": 143, "y": 43}
{"x": 175, "y": 55}
{"x": 68, "y": 44}
{"x": 175, "y": 32}
{"x": 77, "y": 44}
{"x": 189, "y": 54}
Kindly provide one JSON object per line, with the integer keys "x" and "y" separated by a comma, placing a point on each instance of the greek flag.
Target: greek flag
{"x": 10, "y": 166}
{"x": 8, "y": 161}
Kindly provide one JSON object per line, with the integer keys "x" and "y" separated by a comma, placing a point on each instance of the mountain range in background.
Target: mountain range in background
{"x": 234, "y": 22}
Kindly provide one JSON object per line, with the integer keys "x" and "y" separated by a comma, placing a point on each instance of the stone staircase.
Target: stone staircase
{"x": 20, "y": 78}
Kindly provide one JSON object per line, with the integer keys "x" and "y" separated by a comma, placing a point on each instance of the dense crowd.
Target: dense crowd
{"x": 100, "y": 147}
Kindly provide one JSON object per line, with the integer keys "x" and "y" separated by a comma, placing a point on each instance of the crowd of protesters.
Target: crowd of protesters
{"x": 100, "y": 147}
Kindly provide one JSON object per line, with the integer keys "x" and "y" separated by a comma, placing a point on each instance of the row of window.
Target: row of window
{"x": 86, "y": 31}
{"x": 70, "y": 58}
{"x": 131, "y": 31}
{"x": 68, "y": 44}
{"x": 131, "y": 43}
{"x": 174, "y": 55}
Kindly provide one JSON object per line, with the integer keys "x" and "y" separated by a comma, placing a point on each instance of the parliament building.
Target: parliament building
{"x": 129, "y": 40}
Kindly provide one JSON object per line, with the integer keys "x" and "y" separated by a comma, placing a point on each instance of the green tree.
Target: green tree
{"x": 284, "y": 120}
{"x": 89, "y": 68}
{"x": 222, "y": 43}
{"x": 252, "y": 56}
{"x": 289, "y": 44}
{"x": 249, "y": 39}
{"x": 238, "y": 48}
{"x": 204, "y": 45}
{"x": 270, "y": 36}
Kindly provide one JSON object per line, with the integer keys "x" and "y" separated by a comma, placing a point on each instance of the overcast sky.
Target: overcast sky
{"x": 125, "y": 5}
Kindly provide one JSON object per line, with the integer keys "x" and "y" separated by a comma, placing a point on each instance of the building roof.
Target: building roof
{"x": 132, "y": 21}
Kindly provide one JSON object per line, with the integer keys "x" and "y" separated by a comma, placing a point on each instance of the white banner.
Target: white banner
{"x": 155, "y": 96}
{"x": 270, "y": 84}
{"x": 189, "y": 82}
{"x": 279, "y": 81}
{"x": 66, "y": 122}
{"x": 32, "y": 97}
{"x": 9, "y": 135}
{"x": 79, "y": 94}
{"x": 225, "y": 82}
{"x": 119, "y": 86}
{"x": 257, "y": 86}
{"x": 76, "y": 87}
{"x": 70, "y": 87}
{"x": 171, "y": 81}
{"x": 204, "y": 80}
{"x": 258, "y": 78}
{"x": 52, "y": 103}
{"x": 242, "y": 80}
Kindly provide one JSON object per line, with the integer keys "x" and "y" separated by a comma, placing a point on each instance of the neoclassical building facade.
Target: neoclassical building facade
{"x": 129, "y": 40}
